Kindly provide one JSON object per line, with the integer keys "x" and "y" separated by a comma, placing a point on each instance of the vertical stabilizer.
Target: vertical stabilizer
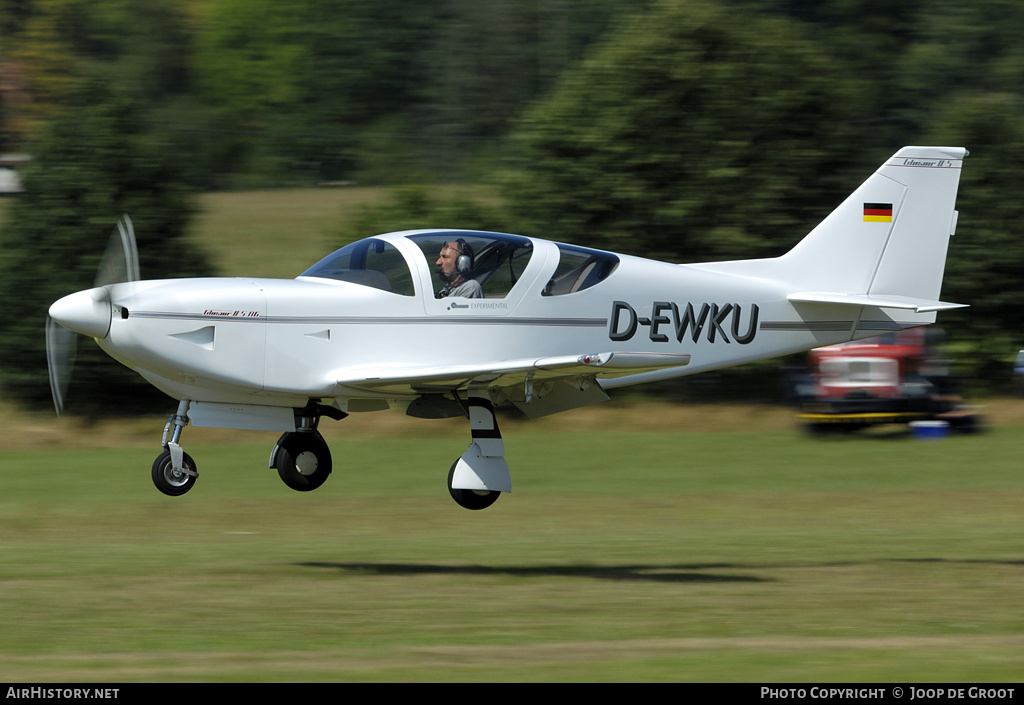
{"x": 888, "y": 240}
{"x": 884, "y": 246}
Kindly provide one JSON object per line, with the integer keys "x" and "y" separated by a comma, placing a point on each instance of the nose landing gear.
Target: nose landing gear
{"x": 174, "y": 471}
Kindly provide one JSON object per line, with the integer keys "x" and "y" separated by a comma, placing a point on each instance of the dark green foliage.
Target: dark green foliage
{"x": 985, "y": 266}
{"x": 330, "y": 89}
{"x": 690, "y": 135}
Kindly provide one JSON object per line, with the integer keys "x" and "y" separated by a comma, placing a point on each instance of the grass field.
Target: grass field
{"x": 641, "y": 543}
{"x": 274, "y": 233}
{"x": 281, "y": 233}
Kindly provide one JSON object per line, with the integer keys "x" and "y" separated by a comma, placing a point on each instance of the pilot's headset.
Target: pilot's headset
{"x": 464, "y": 262}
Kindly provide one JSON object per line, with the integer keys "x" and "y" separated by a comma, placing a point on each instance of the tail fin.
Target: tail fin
{"x": 886, "y": 244}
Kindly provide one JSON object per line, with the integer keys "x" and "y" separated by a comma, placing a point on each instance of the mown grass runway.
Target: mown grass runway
{"x": 683, "y": 552}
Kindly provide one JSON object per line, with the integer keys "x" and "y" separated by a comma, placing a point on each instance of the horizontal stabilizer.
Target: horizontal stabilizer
{"x": 901, "y": 302}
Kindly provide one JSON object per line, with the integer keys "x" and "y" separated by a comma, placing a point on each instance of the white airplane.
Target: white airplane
{"x": 548, "y": 326}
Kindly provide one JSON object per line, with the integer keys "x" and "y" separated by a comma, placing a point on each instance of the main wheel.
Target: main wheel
{"x": 471, "y": 499}
{"x": 170, "y": 481}
{"x": 303, "y": 460}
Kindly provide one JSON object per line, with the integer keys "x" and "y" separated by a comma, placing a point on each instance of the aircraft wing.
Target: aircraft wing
{"x": 444, "y": 378}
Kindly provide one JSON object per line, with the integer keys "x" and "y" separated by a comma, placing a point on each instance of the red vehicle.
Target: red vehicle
{"x": 894, "y": 378}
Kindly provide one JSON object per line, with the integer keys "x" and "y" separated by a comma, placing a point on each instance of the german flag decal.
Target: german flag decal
{"x": 877, "y": 212}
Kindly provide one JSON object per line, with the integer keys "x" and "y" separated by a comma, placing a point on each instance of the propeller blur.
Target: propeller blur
{"x": 88, "y": 312}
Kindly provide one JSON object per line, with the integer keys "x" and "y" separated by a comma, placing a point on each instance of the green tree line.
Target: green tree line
{"x": 263, "y": 92}
{"x": 680, "y": 129}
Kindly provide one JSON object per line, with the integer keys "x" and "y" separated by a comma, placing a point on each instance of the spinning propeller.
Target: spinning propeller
{"x": 88, "y": 312}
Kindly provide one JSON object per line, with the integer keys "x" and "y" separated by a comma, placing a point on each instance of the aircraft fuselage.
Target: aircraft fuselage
{"x": 283, "y": 342}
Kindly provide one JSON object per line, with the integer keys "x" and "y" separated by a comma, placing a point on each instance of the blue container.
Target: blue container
{"x": 929, "y": 429}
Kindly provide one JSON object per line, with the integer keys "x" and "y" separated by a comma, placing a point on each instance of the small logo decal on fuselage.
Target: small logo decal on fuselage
{"x": 669, "y": 320}
{"x": 232, "y": 314}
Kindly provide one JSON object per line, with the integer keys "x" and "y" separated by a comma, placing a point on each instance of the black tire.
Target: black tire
{"x": 170, "y": 482}
{"x": 471, "y": 499}
{"x": 303, "y": 460}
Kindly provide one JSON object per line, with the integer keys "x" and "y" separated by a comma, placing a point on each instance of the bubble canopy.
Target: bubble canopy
{"x": 496, "y": 261}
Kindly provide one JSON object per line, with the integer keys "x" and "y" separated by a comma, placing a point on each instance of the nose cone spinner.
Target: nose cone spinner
{"x": 86, "y": 312}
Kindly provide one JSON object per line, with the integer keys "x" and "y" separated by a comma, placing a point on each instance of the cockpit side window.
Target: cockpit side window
{"x": 496, "y": 263}
{"x": 371, "y": 262}
{"x": 579, "y": 268}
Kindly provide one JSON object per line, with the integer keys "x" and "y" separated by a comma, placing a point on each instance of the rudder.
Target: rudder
{"x": 915, "y": 254}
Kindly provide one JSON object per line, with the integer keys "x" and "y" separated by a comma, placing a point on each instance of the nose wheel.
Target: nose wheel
{"x": 171, "y": 480}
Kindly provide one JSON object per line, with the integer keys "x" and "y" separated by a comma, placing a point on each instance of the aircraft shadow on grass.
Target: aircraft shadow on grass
{"x": 683, "y": 573}
{"x": 687, "y": 573}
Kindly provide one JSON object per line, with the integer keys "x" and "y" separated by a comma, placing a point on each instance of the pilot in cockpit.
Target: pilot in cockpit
{"x": 454, "y": 265}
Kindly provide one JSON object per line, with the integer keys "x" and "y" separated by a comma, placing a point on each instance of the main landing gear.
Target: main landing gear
{"x": 478, "y": 478}
{"x": 303, "y": 459}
